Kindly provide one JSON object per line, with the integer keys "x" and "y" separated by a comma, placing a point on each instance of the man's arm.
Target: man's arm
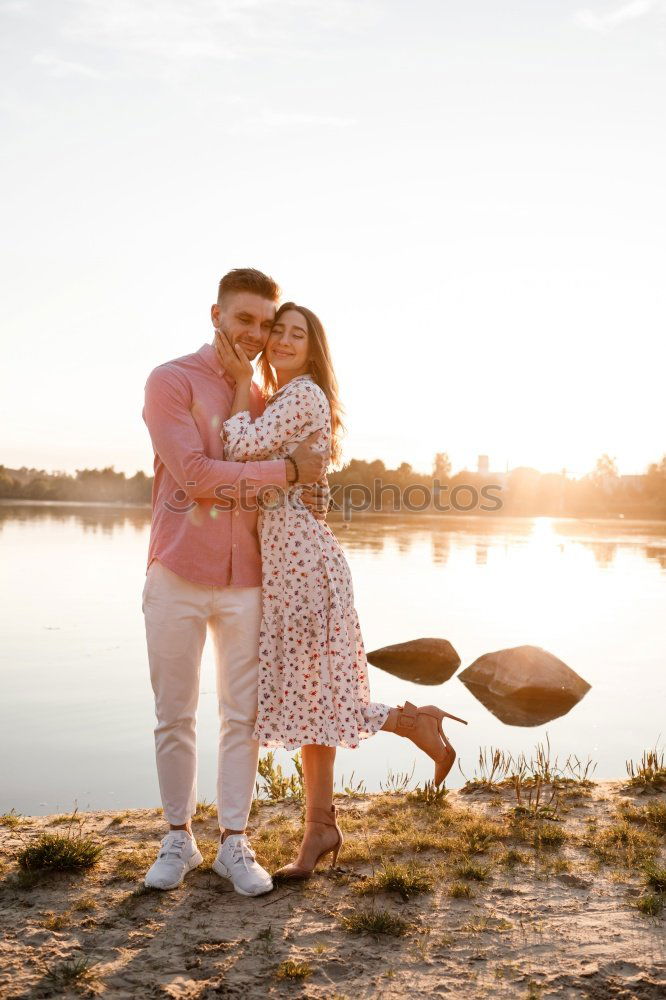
{"x": 177, "y": 441}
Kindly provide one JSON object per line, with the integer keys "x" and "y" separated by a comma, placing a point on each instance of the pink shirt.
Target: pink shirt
{"x": 194, "y": 532}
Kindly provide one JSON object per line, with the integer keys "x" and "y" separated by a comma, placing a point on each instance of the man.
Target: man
{"x": 204, "y": 571}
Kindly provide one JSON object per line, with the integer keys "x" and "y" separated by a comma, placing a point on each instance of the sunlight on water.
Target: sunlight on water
{"x": 77, "y": 712}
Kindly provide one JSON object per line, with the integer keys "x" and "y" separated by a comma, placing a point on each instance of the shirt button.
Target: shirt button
{"x": 236, "y": 512}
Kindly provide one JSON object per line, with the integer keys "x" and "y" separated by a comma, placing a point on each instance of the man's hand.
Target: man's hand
{"x": 317, "y": 498}
{"x": 311, "y": 464}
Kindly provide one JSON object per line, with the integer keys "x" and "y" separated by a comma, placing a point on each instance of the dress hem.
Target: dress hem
{"x": 275, "y": 743}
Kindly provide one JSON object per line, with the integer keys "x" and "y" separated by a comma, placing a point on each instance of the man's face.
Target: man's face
{"x": 246, "y": 318}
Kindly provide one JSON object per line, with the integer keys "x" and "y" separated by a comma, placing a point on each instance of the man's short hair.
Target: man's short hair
{"x": 248, "y": 279}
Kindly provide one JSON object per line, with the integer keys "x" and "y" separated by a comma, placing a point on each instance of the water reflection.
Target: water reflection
{"x": 525, "y": 685}
{"x": 93, "y": 518}
{"x": 440, "y": 548}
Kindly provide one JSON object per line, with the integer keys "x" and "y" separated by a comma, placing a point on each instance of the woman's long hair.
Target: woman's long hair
{"x": 321, "y": 369}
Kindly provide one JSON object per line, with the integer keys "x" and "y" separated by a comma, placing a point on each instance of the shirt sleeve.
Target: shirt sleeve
{"x": 176, "y": 439}
{"x": 299, "y": 411}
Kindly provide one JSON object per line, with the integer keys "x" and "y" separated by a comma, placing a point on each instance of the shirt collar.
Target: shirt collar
{"x": 208, "y": 355}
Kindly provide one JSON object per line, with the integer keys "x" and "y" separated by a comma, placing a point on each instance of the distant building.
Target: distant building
{"x": 483, "y": 469}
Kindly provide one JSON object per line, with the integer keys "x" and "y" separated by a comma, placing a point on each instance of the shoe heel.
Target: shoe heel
{"x": 457, "y": 719}
{"x": 336, "y": 851}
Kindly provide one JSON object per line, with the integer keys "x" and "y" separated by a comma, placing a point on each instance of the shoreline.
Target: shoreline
{"x": 488, "y": 892}
{"x": 337, "y": 516}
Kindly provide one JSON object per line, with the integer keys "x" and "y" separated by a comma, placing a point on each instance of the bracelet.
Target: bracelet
{"x": 288, "y": 458}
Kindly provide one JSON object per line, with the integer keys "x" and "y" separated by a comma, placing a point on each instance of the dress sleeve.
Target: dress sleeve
{"x": 298, "y": 411}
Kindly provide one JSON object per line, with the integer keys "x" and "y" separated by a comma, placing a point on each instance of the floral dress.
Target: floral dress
{"x": 313, "y": 673}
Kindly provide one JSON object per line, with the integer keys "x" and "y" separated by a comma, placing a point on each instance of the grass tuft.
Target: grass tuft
{"x": 649, "y": 773}
{"x": 459, "y": 890}
{"x": 622, "y": 844}
{"x": 652, "y": 815}
{"x": 429, "y": 795}
{"x": 651, "y": 904}
{"x": 290, "y": 969}
{"x": 55, "y": 921}
{"x": 510, "y": 857}
{"x": 54, "y": 852}
{"x": 86, "y": 904}
{"x": 11, "y": 819}
{"x": 471, "y": 870}
{"x": 407, "y": 879}
{"x": 549, "y": 835}
{"x": 375, "y": 922}
{"x": 70, "y": 973}
{"x": 205, "y": 810}
{"x": 655, "y": 877}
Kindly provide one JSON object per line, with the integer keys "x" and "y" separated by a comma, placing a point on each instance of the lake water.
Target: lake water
{"x": 76, "y": 717}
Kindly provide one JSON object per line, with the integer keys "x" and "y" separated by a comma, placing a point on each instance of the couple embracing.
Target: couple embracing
{"x": 240, "y": 550}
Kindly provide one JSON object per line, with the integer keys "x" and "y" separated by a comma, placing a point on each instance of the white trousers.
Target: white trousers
{"x": 177, "y": 615}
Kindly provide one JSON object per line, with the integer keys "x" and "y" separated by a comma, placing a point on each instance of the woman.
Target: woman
{"x": 313, "y": 676}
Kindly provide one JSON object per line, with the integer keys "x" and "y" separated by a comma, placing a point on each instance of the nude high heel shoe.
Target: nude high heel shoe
{"x": 423, "y": 726}
{"x": 314, "y": 815}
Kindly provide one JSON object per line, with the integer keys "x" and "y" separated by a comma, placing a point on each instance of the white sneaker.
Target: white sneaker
{"x": 237, "y": 861}
{"x": 178, "y": 855}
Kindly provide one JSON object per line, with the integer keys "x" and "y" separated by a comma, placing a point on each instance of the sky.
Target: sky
{"x": 470, "y": 194}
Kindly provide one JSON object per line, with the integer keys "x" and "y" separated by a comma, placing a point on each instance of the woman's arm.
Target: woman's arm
{"x": 312, "y": 462}
{"x": 299, "y": 411}
{"x": 242, "y": 397}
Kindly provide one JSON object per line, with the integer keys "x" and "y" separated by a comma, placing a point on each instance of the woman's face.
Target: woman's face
{"x": 287, "y": 347}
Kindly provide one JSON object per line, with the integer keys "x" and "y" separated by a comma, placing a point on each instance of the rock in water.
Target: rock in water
{"x": 423, "y": 661}
{"x": 525, "y": 685}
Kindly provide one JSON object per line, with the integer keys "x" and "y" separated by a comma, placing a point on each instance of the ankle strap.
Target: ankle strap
{"x": 407, "y": 717}
{"x": 315, "y": 814}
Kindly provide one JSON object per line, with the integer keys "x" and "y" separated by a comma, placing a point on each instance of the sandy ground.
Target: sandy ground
{"x": 558, "y": 922}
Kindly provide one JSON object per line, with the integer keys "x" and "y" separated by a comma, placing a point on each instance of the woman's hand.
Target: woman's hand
{"x": 233, "y": 358}
{"x": 317, "y": 499}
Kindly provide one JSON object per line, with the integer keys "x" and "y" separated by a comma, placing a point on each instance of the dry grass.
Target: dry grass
{"x": 651, "y": 904}
{"x": 54, "y": 852}
{"x": 621, "y": 844}
{"x": 204, "y": 811}
{"x": 649, "y": 773}
{"x": 471, "y": 870}
{"x": 479, "y": 925}
{"x": 55, "y": 921}
{"x": 459, "y": 890}
{"x": 652, "y": 815}
{"x": 655, "y": 877}
{"x": 85, "y": 904}
{"x": 11, "y": 819}
{"x": 70, "y": 974}
{"x": 510, "y": 857}
{"x": 549, "y": 835}
{"x": 452, "y": 859}
{"x": 133, "y": 864}
{"x": 406, "y": 879}
{"x": 290, "y": 969}
{"x": 277, "y": 842}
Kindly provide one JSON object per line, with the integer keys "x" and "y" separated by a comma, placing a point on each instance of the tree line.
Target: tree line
{"x": 521, "y": 491}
